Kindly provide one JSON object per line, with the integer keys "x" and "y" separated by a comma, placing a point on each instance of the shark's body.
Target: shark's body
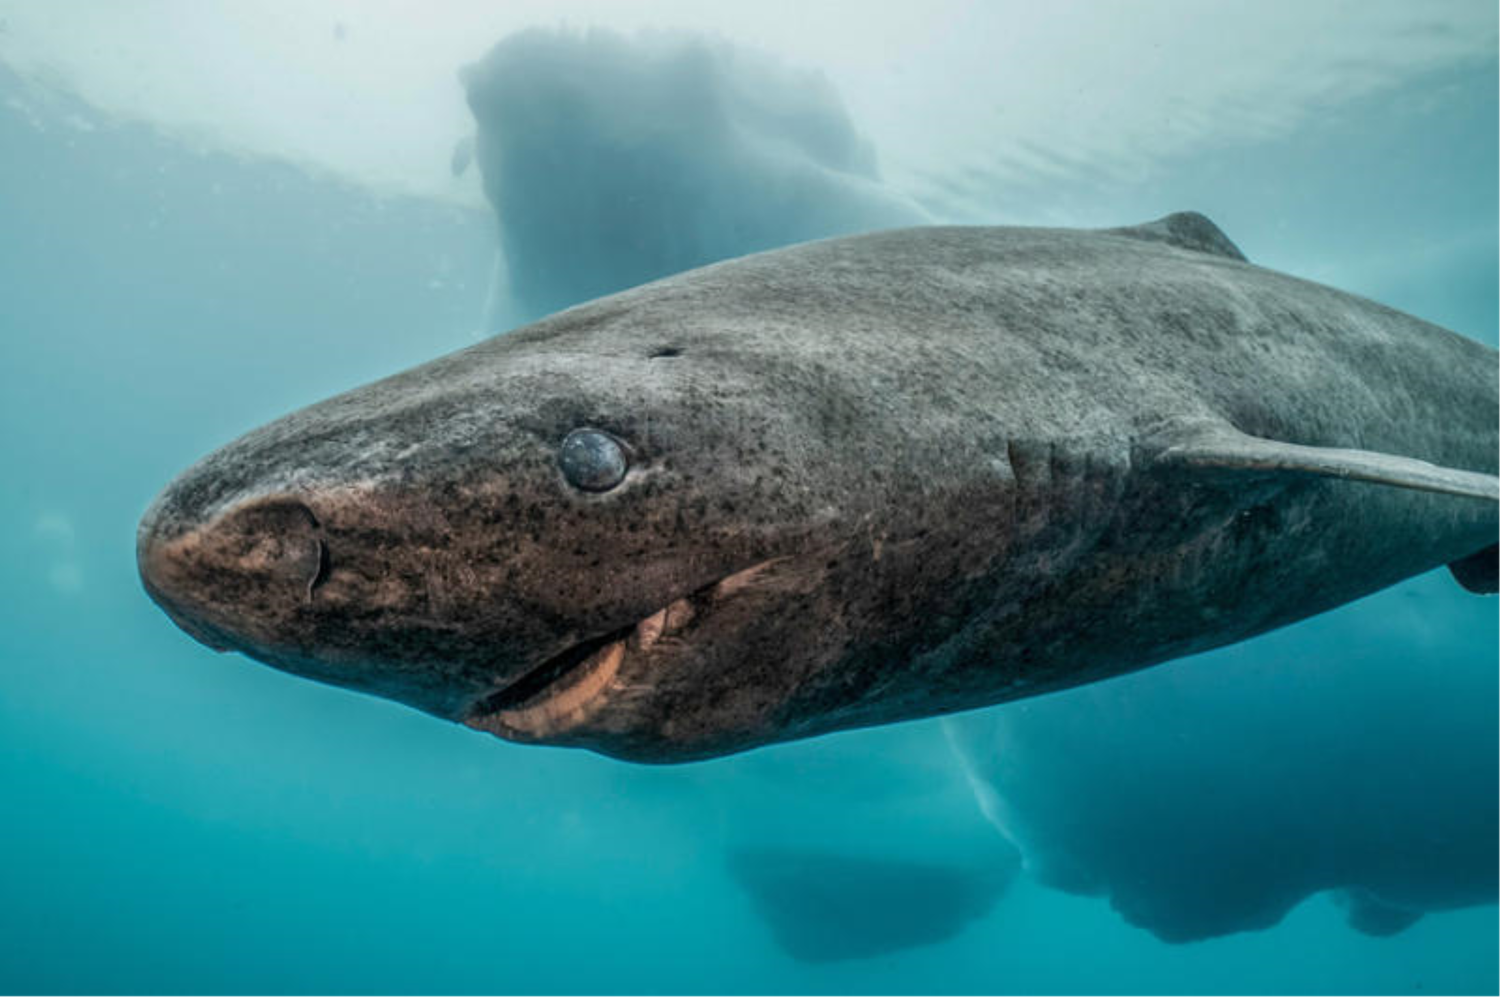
{"x": 845, "y": 483}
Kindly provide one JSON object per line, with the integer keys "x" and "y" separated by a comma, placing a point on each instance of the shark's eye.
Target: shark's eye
{"x": 592, "y": 460}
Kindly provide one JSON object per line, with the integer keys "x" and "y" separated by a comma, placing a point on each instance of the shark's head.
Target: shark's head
{"x": 590, "y": 532}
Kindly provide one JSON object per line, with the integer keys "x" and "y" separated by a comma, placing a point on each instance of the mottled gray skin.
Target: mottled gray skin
{"x": 937, "y": 444}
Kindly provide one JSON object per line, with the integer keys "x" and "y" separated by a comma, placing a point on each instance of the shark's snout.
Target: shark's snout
{"x": 234, "y": 578}
{"x": 320, "y": 583}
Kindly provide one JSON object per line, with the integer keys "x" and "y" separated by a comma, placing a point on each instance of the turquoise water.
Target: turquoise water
{"x": 177, "y": 820}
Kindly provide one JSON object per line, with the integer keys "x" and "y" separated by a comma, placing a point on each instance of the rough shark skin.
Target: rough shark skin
{"x": 869, "y": 479}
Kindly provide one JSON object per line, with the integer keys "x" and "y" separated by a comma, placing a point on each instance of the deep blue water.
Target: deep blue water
{"x": 177, "y": 820}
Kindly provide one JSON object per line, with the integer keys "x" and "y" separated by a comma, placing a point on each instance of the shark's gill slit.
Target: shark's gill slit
{"x": 666, "y": 352}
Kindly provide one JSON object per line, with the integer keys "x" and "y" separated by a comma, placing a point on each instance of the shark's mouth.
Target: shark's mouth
{"x": 567, "y": 688}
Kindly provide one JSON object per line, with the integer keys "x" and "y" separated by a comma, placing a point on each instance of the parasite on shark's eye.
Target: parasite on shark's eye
{"x": 592, "y": 460}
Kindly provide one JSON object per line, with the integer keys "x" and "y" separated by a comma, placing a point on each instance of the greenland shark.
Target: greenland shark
{"x": 845, "y": 483}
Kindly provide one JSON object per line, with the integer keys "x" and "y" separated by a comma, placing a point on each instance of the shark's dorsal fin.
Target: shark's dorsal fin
{"x": 1185, "y": 230}
{"x": 1227, "y": 449}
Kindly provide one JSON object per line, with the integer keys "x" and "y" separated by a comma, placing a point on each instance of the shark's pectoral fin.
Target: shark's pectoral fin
{"x": 1226, "y": 449}
{"x": 1479, "y": 572}
{"x": 1185, "y": 230}
{"x": 1221, "y": 449}
{"x": 1370, "y": 915}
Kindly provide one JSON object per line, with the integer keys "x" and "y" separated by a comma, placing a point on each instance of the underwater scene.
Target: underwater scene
{"x": 215, "y": 214}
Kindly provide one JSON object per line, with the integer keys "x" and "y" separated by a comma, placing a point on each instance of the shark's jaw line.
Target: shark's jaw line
{"x": 556, "y": 695}
{"x": 568, "y": 688}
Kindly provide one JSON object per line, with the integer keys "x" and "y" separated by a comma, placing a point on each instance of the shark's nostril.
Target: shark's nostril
{"x": 279, "y": 515}
{"x": 321, "y": 574}
{"x": 278, "y": 540}
{"x": 255, "y": 562}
